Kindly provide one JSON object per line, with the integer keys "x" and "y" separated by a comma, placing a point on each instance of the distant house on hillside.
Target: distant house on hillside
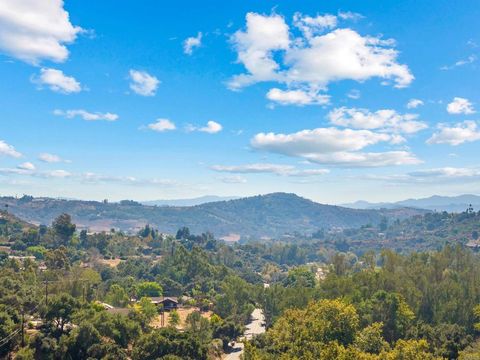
{"x": 169, "y": 303}
{"x": 473, "y": 244}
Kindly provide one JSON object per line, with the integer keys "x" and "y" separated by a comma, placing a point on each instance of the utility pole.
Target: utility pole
{"x": 23, "y": 328}
{"x": 46, "y": 292}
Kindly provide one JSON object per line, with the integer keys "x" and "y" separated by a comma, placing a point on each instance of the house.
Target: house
{"x": 168, "y": 303}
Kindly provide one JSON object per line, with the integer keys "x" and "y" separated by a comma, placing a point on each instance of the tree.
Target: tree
{"x": 63, "y": 228}
{"x": 147, "y": 308}
{"x": 76, "y": 345}
{"x": 7, "y": 327}
{"x": 57, "y": 259}
{"x": 60, "y": 310}
{"x": 167, "y": 342}
{"x": 183, "y": 233}
{"x": 174, "y": 318}
{"x": 199, "y": 326}
{"x": 149, "y": 288}
{"x": 117, "y": 296}
{"x": 300, "y": 277}
{"x": 370, "y": 339}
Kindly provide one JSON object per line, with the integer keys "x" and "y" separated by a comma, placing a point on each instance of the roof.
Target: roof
{"x": 161, "y": 299}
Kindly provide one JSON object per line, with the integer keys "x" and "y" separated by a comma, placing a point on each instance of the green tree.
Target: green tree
{"x": 174, "y": 318}
{"x": 117, "y": 296}
{"x": 167, "y": 342}
{"x": 147, "y": 308}
{"x": 63, "y": 228}
{"x": 149, "y": 288}
{"x": 61, "y": 309}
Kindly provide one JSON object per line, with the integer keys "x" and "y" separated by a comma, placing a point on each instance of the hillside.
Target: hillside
{"x": 259, "y": 216}
{"x": 435, "y": 203}
{"x": 189, "y": 202}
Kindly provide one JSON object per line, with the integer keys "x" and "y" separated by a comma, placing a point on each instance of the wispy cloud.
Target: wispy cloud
{"x": 192, "y": 43}
{"x": 86, "y": 115}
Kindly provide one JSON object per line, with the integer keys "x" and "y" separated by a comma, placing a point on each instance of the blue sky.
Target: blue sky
{"x": 335, "y": 101}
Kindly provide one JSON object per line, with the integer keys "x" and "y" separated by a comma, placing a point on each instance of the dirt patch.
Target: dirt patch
{"x": 183, "y": 313}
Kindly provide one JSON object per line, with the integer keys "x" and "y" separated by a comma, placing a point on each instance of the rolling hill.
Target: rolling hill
{"x": 269, "y": 215}
{"x": 434, "y": 203}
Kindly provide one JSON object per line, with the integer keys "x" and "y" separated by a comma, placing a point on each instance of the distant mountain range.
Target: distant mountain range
{"x": 269, "y": 215}
{"x": 435, "y": 203}
{"x": 189, "y": 202}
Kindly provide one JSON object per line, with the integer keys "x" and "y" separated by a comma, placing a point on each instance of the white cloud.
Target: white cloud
{"x": 212, "y": 127}
{"x": 143, "y": 83}
{"x": 348, "y": 15}
{"x": 334, "y": 146}
{"x": 191, "y": 43}
{"x": 343, "y": 54}
{"x": 94, "y": 178}
{"x": 86, "y": 115}
{"x": 365, "y": 159}
{"x": 354, "y": 94}
{"x": 57, "y": 81}
{"x": 414, "y": 103}
{"x": 162, "y": 125}
{"x": 258, "y": 168}
{"x": 460, "y": 106}
{"x": 386, "y": 119}
{"x": 297, "y": 97}
{"x": 49, "y": 158}
{"x": 32, "y": 30}
{"x": 270, "y": 52}
{"x": 254, "y": 47}
{"x": 235, "y": 179}
{"x": 469, "y": 60}
{"x": 311, "y": 26}
{"x": 447, "y": 172}
{"x": 26, "y": 166}
{"x": 466, "y": 131}
{"x": 8, "y": 150}
{"x": 57, "y": 174}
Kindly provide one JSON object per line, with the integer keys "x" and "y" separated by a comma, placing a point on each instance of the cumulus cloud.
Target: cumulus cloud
{"x": 460, "y": 106}
{"x": 32, "y": 30}
{"x": 142, "y": 83}
{"x": 212, "y": 127}
{"x": 162, "y": 125}
{"x": 255, "y": 46}
{"x": 460, "y": 133}
{"x": 297, "y": 97}
{"x": 8, "y": 150}
{"x": 86, "y": 115}
{"x": 414, "y": 103}
{"x": 191, "y": 43}
{"x": 26, "y": 166}
{"x": 270, "y": 52}
{"x": 258, "y": 168}
{"x": 385, "y": 119}
{"x": 311, "y": 26}
{"x": 334, "y": 146}
{"x": 57, "y": 81}
{"x": 49, "y": 158}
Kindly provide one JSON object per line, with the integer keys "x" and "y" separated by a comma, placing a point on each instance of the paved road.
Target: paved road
{"x": 254, "y": 327}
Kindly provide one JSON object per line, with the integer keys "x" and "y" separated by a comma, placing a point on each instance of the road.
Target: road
{"x": 254, "y": 327}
